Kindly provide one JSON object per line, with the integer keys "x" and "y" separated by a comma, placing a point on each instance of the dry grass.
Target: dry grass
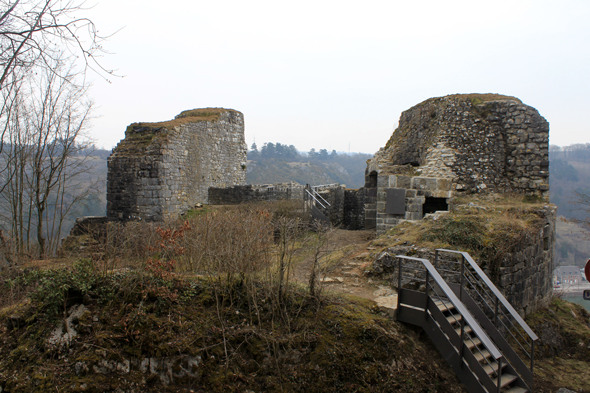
{"x": 562, "y": 352}
{"x": 140, "y": 135}
{"x": 188, "y": 116}
{"x": 475, "y": 98}
{"x": 487, "y": 227}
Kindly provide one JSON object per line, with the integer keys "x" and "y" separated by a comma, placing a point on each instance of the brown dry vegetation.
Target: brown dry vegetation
{"x": 215, "y": 288}
{"x": 188, "y": 116}
{"x": 563, "y": 349}
{"x": 226, "y": 286}
{"x": 476, "y": 98}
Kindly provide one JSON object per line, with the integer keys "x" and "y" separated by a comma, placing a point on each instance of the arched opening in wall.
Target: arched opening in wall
{"x": 432, "y": 205}
{"x": 412, "y": 163}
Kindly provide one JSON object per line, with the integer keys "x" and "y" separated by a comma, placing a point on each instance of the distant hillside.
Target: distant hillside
{"x": 569, "y": 175}
{"x": 277, "y": 163}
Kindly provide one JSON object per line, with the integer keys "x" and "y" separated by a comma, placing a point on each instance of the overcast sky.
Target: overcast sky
{"x": 338, "y": 74}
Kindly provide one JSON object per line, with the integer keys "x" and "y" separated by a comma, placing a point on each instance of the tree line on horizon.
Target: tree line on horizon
{"x": 286, "y": 152}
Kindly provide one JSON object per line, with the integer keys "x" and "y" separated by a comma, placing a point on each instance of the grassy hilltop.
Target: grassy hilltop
{"x": 231, "y": 299}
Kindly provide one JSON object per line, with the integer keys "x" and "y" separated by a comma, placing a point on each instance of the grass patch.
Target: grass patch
{"x": 140, "y": 135}
{"x": 335, "y": 344}
{"x": 562, "y": 352}
{"x": 488, "y": 227}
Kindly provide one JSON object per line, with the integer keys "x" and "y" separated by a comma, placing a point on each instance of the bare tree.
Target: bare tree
{"x": 45, "y": 170}
{"x": 582, "y": 199}
{"x": 36, "y": 33}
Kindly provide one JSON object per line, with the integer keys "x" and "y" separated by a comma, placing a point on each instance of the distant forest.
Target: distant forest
{"x": 569, "y": 177}
{"x": 280, "y": 163}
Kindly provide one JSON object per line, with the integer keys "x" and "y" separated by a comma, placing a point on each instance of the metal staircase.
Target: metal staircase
{"x": 468, "y": 320}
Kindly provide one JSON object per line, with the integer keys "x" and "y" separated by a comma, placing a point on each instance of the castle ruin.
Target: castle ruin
{"x": 475, "y": 143}
{"x": 161, "y": 170}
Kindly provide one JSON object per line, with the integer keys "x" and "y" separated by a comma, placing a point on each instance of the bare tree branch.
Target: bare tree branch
{"x": 34, "y": 32}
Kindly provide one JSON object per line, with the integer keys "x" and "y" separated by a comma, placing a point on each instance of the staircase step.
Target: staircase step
{"x": 516, "y": 389}
{"x": 454, "y": 318}
{"x": 493, "y": 368}
{"x": 444, "y": 306}
{"x": 466, "y": 329}
{"x": 507, "y": 379}
{"x": 481, "y": 355}
{"x": 473, "y": 342}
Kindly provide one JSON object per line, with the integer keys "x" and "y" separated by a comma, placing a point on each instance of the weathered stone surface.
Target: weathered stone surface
{"x": 475, "y": 143}
{"x": 161, "y": 170}
{"x": 481, "y": 142}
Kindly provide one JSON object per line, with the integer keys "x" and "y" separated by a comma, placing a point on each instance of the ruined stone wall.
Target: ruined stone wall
{"x": 483, "y": 142}
{"x": 354, "y": 209}
{"x": 251, "y": 193}
{"x": 526, "y": 273}
{"x": 416, "y": 190}
{"x": 461, "y": 143}
{"x": 161, "y": 170}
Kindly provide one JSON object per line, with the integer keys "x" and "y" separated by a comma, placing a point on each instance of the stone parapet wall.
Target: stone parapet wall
{"x": 250, "y": 193}
{"x": 161, "y": 170}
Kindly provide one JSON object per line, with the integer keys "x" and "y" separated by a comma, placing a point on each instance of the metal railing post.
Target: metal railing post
{"x": 399, "y": 281}
{"x": 462, "y": 339}
{"x": 436, "y": 259}
{"x": 426, "y": 292}
{"x": 499, "y": 374}
{"x": 496, "y": 312}
{"x": 462, "y": 281}
{"x": 532, "y": 354}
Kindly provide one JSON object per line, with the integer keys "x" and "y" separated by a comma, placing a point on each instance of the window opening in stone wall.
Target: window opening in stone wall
{"x": 372, "y": 180}
{"x": 412, "y": 163}
{"x": 432, "y": 205}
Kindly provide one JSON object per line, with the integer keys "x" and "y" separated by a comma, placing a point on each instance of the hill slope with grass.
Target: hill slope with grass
{"x": 210, "y": 305}
{"x": 137, "y": 332}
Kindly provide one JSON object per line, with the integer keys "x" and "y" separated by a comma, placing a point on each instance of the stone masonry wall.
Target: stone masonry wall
{"x": 482, "y": 142}
{"x": 161, "y": 170}
{"x": 250, "y": 193}
{"x": 416, "y": 190}
{"x": 354, "y": 209}
{"x": 526, "y": 274}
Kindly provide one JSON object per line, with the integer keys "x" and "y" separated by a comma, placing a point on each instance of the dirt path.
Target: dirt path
{"x": 353, "y": 254}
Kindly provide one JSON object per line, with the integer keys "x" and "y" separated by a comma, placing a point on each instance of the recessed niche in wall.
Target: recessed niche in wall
{"x": 435, "y": 204}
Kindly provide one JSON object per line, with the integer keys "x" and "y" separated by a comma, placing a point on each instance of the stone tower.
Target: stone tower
{"x": 161, "y": 170}
{"x": 458, "y": 143}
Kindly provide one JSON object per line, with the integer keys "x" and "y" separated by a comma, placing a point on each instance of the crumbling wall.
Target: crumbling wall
{"x": 250, "y": 193}
{"x": 354, "y": 209}
{"x": 474, "y": 143}
{"x": 482, "y": 142}
{"x": 161, "y": 170}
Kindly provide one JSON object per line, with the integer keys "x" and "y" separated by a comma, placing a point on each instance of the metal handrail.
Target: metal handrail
{"x": 315, "y": 199}
{"x": 477, "y": 329}
{"x": 321, "y": 197}
{"x": 499, "y": 297}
